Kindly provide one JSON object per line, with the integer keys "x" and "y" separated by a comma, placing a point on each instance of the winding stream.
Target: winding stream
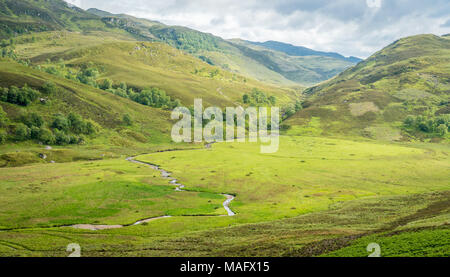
{"x": 178, "y": 187}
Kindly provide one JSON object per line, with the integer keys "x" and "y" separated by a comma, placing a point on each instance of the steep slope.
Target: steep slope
{"x": 374, "y": 98}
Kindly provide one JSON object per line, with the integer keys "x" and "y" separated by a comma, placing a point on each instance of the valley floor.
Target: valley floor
{"x": 316, "y": 196}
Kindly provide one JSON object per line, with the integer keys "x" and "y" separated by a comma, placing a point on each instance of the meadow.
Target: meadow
{"x": 343, "y": 194}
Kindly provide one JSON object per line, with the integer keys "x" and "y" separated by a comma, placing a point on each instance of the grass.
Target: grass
{"x": 112, "y": 191}
{"x": 341, "y": 191}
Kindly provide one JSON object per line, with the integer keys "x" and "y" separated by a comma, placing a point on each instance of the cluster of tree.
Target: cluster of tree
{"x": 433, "y": 125}
{"x": 187, "y": 40}
{"x": 153, "y": 97}
{"x": 62, "y": 130}
{"x": 259, "y": 98}
{"x": 23, "y": 96}
{"x": 291, "y": 109}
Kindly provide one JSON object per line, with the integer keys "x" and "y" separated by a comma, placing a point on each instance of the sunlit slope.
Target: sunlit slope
{"x": 409, "y": 77}
{"x": 102, "y": 107}
{"x": 25, "y": 16}
{"x": 146, "y": 64}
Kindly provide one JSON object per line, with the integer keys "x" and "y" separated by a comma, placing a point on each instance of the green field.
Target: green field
{"x": 342, "y": 190}
{"x": 86, "y": 154}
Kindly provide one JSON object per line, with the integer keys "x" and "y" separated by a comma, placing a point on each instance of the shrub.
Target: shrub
{"x": 61, "y": 138}
{"x": 60, "y": 122}
{"x": 3, "y": 136}
{"x": 46, "y": 136}
{"x": 22, "y": 132}
{"x": 106, "y": 84}
{"x": 3, "y": 117}
{"x": 90, "y": 127}
{"x": 127, "y": 120}
{"x": 49, "y": 88}
{"x": 33, "y": 119}
{"x": 76, "y": 123}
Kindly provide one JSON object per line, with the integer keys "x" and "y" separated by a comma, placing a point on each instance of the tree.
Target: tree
{"x": 246, "y": 99}
{"x": 127, "y": 120}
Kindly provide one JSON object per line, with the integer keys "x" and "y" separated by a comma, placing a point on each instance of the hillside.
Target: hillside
{"x": 141, "y": 65}
{"x": 400, "y": 93}
{"x": 308, "y": 67}
{"x": 293, "y": 50}
{"x": 234, "y": 55}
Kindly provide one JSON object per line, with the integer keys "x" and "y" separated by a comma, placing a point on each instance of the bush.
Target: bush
{"x": 49, "y": 88}
{"x": 46, "y": 136}
{"x": 60, "y": 122}
{"x": 76, "y": 123}
{"x": 33, "y": 119}
{"x": 3, "y": 117}
{"x": 127, "y": 120}
{"x": 61, "y": 138}
{"x": 22, "y": 132}
{"x": 106, "y": 84}
{"x": 3, "y": 136}
{"x": 91, "y": 127}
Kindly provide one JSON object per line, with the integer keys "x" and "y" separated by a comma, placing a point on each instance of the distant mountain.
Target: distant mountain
{"x": 409, "y": 79}
{"x": 301, "y": 51}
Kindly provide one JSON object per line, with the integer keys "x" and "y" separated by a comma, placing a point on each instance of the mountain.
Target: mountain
{"x": 272, "y": 66}
{"x": 400, "y": 93}
{"x": 301, "y": 51}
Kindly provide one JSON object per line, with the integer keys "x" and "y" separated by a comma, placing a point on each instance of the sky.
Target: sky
{"x": 349, "y": 27}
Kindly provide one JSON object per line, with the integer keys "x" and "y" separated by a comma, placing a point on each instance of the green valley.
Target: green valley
{"x": 87, "y": 154}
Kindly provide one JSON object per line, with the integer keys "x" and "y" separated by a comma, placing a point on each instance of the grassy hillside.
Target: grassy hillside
{"x": 399, "y": 93}
{"x": 141, "y": 65}
{"x": 25, "y": 16}
{"x": 24, "y": 126}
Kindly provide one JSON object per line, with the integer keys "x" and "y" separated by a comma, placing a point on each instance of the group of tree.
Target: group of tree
{"x": 23, "y": 96}
{"x": 259, "y": 98}
{"x": 61, "y": 130}
{"x": 153, "y": 97}
{"x": 432, "y": 124}
{"x": 89, "y": 74}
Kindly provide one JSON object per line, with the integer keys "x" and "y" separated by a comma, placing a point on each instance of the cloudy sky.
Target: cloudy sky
{"x": 350, "y": 27}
